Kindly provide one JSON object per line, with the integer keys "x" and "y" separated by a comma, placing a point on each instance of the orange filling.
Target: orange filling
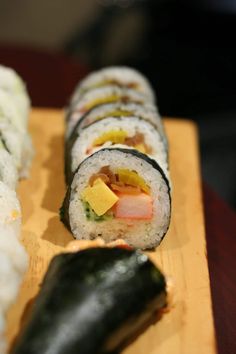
{"x": 134, "y": 200}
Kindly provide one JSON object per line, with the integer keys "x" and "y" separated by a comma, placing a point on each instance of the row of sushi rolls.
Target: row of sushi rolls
{"x": 16, "y": 153}
{"x": 97, "y": 295}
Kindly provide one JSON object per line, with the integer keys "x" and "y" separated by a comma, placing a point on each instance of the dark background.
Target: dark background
{"x": 186, "y": 49}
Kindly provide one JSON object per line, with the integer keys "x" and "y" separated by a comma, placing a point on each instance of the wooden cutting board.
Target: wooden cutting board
{"x": 188, "y": 327}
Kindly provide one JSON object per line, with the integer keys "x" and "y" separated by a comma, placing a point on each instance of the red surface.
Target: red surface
{"x": 221, "y": 247}
{"x": 50, "y": 79}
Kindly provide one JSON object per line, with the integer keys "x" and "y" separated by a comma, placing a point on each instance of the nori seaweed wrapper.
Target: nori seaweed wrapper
{"x": 69, "y": 142}
{"x": 64, "y": 210}
{"x": 93, "y": 302}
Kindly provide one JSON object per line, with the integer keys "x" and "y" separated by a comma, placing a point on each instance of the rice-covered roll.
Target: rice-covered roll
{"x": 10, "y": 211}
{"x": 27, "y": 156}
{"x": 134, "y": 133}
{"x": 10, "y": 112}
{"x": 118, "y": 109}
{"x": 11, "y": 246}
{"x": 8, "y": 170}
{"x": 19, "y": 145}
{"x": 93, "y": 98}
{"x": 117, "y": 75}
{"x": 118, "y": 193}
{"x": 9, "y": 281}
{"x": 11, "y": 82}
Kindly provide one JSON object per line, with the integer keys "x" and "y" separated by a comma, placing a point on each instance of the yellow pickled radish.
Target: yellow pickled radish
{"x": 115, "y": 136}
{"x": 97, "y": 85}
{"x": 132, "y": 178}
{"x": 141, "y": 148}
{"x": 101, "y": 100}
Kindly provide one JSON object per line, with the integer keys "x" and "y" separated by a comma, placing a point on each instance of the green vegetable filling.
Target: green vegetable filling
{"x": 92, "y": 216}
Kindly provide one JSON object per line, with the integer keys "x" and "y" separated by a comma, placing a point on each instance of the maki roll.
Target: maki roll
{"x": 118, "y": 193}
{"x": 10, "y": 218}
{"x": 13, "y": 85}
{"x": 19, "y": 145}
{"x": 93, "y": 302}
{"x": 113, "y": 132}
{"x": 120, "y": 76}
{"x": 10, "y": 112}
{"x": 8, "y": 170}
{"x": 15, "y": 157}
{"x": 13, "y": 134}
{"x": 147, "y": 112}
{"x": 11, "y": 247}
{"x": 98, "y": 96}
{"x": 10, "y": 281}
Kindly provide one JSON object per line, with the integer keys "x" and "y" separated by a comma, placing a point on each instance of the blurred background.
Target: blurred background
{"x": 186, "y": 48}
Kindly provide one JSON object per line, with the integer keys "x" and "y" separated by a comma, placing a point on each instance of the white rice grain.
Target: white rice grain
{"x": 10, "y": 217}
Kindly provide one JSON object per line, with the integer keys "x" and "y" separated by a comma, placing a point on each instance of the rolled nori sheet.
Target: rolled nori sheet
{"x": 70, "y": 140}
{"x": 64, "y": 210}
{"x": 114, "y": 121}
{"x": 92, "y": 302}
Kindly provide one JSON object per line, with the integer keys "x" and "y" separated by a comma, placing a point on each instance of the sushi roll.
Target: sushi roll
{"x": 118, "y": 193}
{"x": 13, "y": 135}
{"x": 27, "y": 156}
{"x": 11, "y": 83}
{"x": 113, "y": 132}
{"x": 19, "y": 145}
{"x": 11, "y": 247}
{"x": 15, "y": 158}
{"x": 120, "y": 76}
{"x": 98, "y": 96}
{"x": 93, "y": 302}
{"x": 9, "y": 112}
{"x": 9, "y": 282}
{"x": 145, "y": 111}
{"x": 10, "y": 218}
{"x": 8, "y": 170}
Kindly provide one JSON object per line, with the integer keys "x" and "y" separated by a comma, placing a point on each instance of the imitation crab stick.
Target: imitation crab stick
{"x": 137, "y": 207}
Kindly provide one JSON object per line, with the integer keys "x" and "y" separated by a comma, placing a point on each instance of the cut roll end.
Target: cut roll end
{"x": 143, "y": 224}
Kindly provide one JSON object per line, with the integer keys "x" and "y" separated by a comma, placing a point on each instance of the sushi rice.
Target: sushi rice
{"x": 131, "y": 127}
{"x": 19, "y": 145}
{"x": 11, "y": 247}
{"x": 8, "y": 171}
{"x": 12, "y": 83}
{"x": 10, "y": 217}
{"x": 8, "y": 111}
{"x": 16, "y": 152}
{"x": 9, "y": 281}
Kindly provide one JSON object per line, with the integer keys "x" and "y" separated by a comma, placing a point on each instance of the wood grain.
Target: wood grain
{"x": 188, "y": 327}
